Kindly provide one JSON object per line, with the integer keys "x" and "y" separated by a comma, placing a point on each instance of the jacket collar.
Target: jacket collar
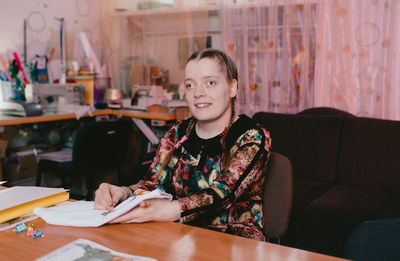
{"x": 212, "y": 146}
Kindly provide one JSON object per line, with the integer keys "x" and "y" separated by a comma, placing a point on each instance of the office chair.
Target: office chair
{"x": 278, "y": 196}
{"x": 98, "y": 150}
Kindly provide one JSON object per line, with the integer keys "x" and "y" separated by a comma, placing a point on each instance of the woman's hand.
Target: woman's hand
{"x": 152, "y": 210}
{"x": 108, "y": 196}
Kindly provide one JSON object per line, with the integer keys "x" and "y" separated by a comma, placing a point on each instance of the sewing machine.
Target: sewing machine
{"x": 146, "y": 95}
{"x": 22, "y": 109}
{"x": 12, "y": 107}
{"x": 48, "y": 95}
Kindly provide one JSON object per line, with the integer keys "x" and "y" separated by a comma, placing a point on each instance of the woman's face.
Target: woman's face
{"x": 207, "y": 91}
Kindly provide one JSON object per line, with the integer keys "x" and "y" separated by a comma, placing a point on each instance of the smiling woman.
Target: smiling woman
{"x": 212, "y": 164}
{"x": 210, "y": 94}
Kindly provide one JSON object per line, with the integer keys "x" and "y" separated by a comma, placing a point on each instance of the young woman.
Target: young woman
{"x": 212, "y": 163}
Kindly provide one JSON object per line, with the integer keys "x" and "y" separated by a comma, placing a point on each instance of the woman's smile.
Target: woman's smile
{"x": 202, "y": 105}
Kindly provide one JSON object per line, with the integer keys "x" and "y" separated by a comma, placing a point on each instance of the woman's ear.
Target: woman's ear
{"x": 233, "y": 88}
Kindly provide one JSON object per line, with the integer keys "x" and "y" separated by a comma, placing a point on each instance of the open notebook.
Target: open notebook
{"x": 83, "y": 214}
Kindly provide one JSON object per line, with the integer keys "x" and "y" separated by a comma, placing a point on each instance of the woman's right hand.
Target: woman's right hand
{"x": 107, "y": 196}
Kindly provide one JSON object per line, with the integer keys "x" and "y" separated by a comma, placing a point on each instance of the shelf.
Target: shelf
{"x": 212, "y": 10}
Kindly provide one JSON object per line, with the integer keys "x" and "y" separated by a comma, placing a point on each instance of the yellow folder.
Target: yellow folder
{"x": 26, "y": 203}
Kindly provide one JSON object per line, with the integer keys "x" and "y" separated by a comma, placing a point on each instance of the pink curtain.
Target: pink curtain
{"x": 357, "y": 68}
{"x": 297, "y": 54}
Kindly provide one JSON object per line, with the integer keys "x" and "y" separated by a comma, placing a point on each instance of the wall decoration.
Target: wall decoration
{"x": 83, "y": 7}
{"x": 36, "y": 21}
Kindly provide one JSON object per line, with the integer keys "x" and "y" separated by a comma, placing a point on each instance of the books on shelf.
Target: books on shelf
{"x": 21, "y": 200}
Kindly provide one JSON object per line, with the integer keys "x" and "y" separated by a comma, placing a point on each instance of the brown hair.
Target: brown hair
{"x": 226, "y": 63}
{"x": 229, "y": 69}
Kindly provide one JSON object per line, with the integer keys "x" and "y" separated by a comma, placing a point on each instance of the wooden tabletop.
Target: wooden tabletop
{"x": 160, "y": 240}
{"x": 66, "y": 116}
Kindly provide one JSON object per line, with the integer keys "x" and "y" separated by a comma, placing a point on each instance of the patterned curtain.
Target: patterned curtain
{"x": 297, "y": 54}
{"x": 274, "y": 46}
{"x": 358, "y": 63}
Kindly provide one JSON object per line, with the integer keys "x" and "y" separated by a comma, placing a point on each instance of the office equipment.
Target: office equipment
{"x": 46, "y": 94}
{"x": 18, "y": 201}
{"x": 146, "y": 95}
{"x": 22, "y": 109}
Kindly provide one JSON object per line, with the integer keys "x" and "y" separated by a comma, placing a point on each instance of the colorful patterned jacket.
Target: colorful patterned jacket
{"x": 227, "y": 200}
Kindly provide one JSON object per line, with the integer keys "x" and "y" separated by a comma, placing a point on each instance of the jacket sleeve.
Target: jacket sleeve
{"x": 154, "y": 179}
{"x": 249, "y": 156}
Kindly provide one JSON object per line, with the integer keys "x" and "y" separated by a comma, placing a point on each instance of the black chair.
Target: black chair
{"x": 278, "y": 196}
{"x": 98, "y": 151}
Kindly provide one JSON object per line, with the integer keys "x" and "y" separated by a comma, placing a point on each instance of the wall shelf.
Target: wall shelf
{"x": 168, "y": 11}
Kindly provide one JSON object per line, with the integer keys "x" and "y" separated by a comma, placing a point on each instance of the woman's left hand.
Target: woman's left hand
{"x": 151, "y": 210}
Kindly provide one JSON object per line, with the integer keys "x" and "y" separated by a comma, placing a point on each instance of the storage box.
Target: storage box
{"x": 182, "y": 113}
{"x": 20, "y": 165}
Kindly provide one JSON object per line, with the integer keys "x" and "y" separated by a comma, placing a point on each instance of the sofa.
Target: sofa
{"x": 346, "y": 170}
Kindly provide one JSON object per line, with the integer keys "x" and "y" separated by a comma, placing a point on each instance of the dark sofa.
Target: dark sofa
{"x": 346, "y": 170}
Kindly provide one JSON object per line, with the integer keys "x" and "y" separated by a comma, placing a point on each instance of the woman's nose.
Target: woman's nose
{"x": 199, "y": 91}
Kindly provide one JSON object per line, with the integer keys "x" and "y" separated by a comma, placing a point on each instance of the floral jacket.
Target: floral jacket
{"x": 227, "y": 200}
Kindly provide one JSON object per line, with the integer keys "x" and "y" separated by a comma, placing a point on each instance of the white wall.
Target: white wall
{"x": 43, "y": 29}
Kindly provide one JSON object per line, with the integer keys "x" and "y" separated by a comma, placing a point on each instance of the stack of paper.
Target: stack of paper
{"x": 57, "y": 156}
{"x": 83, "y": 214}
{"x": 18, "y": 200}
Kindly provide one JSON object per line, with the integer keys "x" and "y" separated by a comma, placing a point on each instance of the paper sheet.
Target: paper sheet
{"x": 83, "y": 214}
{"x": 83, "y": 249}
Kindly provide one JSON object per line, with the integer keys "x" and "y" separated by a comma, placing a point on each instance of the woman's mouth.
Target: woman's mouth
{"x": 202, "y": 105}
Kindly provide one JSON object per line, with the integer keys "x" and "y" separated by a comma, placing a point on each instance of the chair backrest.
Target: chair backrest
{"x": 278, "y": 195}
{"x": 100, "y": 147}
{"x": 101, "y": 144}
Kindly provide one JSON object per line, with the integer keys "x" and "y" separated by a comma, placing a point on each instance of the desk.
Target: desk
{"x": 137, "y": 117}
{"x": 8, "y": 121}
{"x": 160, "y": 240}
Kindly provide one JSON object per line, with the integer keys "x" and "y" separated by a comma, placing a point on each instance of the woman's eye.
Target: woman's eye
{"x": 189, "y": 85}
{"x": 210, "y": 83}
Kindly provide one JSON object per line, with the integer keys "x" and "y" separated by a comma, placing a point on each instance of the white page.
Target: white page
{"x": 18, "y": 195}
{"x": 58, "y": 156}
{"x": 81, "y": 248}
{"x": 83, "y": 214}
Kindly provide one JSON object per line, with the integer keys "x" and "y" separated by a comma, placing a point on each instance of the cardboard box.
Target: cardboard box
{"x": 20, "y": 165}
{"x": 182, "y": 113}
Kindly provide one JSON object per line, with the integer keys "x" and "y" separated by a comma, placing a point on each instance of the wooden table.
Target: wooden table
{"x": 160, "y": 240}
{"x": 8, "y": 121}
